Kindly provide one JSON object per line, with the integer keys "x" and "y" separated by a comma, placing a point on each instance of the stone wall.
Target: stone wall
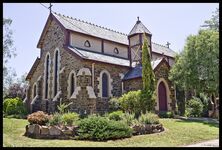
{"x": 53, "y": 39}
{"x": 87, "y": 85}
{"x": 133, "y": 84}
{"x": 163, "y": 72}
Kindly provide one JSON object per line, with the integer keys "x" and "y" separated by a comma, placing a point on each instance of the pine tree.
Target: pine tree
{"x": 148, "y": 79}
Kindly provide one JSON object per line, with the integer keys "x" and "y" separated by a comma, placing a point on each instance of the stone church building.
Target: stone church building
{"x": 87, "y": 64}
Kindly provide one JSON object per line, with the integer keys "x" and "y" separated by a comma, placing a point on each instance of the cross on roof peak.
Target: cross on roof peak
{"x": 138, "y": 19}
{"x": 50, "y": 7}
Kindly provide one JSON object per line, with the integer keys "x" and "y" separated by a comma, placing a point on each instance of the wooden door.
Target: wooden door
{"x": 162, "y": 97}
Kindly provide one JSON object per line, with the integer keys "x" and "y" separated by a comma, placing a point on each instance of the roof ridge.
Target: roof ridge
{"x": 90, "y": 23}
{"x": 160, "y": 45}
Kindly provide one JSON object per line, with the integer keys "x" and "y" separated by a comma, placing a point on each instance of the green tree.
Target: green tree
{"x": 8, "y": 52}
{"x": 197, "y": 67}
{"x": 147, "y": 99}
{"x": 213, "y": 23}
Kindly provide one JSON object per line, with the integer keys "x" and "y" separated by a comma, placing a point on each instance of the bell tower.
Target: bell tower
{"x": 136, "y": 39}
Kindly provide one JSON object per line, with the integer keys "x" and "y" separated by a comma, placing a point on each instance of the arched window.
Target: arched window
{"x": 47, "y": 65}
{"x": 56, "y": 72}
{"x": 105, "y": 85}
{"x": 71, "y": 83}
{"x": 87, "y": 44}
{"x": 34, "y": 90}
{"x": 116, "y": 51}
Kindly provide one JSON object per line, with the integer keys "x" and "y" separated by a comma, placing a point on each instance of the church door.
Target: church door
{"x": 162, "y": 97}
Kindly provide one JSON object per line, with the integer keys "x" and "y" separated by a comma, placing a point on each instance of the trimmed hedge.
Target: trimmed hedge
{"x": 100, "y": 128}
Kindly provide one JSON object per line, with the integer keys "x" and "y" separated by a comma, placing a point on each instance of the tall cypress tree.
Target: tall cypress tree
{"x": 148, "y": 79}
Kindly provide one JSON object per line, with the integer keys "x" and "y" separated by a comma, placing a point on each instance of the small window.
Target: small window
{"x": 87, "y": 44}
{"x": 104, "y": 85}
{"x": 116, "y": 51}
{"x": 34, "y": 90}
{"x": 72, "y": 84}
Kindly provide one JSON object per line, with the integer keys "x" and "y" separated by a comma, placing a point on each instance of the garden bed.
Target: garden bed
{"x": 115, "y": 125}
{"x": 70, "y": 132}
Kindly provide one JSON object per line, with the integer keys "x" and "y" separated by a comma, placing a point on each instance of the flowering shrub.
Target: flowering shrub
{"x": 38, "y": 117}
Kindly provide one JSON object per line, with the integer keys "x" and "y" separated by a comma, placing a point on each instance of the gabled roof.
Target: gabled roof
{"x": 88, "y": 28}
{"x": 136, "y": 72}
{"x": 33, "y": 68}
{"x": 90, "y": 55}
{"x": 91, "y": 29}
{"x": 157, "y": 48}
{"x": 139, "y": 28}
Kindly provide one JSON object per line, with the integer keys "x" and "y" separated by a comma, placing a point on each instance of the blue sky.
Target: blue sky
{"x": 166, "y": 21}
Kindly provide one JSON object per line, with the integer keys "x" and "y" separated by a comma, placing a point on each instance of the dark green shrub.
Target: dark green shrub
{"x": 116, "y": 115}
{"x": 38, "y": 117}
{"x": 165, "y": 114}
{"x": 194, "y": 107}
{"x": 69, "y": 118}
{"x": 14, "y": 106}
{"x": 149, "y": 118}
{"x": 55, "y": 119}
{"x": 205, "y": 101}
{"x": 100, "y": 128}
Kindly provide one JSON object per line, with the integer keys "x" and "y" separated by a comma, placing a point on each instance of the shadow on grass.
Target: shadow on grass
{"x": 205, "y": 122}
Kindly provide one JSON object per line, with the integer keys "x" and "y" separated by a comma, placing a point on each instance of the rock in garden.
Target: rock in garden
{"x": 148, "y": 128}
{"x": 34, "y": 129}
{"x": 67, "y": 132}
{"x": 155, "y": 131}
{"x": 54, "y": 130}
{"x": 44, "y": 130}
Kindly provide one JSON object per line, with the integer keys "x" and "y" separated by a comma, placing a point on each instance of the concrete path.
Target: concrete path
{"x": 211, "y": 143}
{"x": 208, "y": 120}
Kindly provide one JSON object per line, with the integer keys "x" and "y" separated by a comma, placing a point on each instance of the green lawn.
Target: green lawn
{"x": 178, "y": 133}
